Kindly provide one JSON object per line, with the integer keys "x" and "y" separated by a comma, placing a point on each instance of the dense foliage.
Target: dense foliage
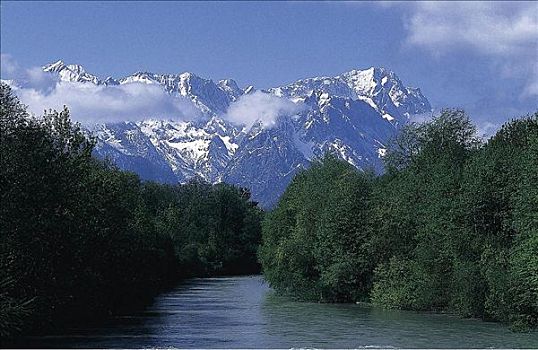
{"x": 81, "y": 239}
{"x": 452, "y": 225}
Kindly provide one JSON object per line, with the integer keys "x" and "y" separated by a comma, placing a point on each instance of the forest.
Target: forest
{"x": 452, "y": 226}
{"x": 81, "y": 240}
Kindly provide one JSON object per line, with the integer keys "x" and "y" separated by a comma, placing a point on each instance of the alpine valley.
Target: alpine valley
{"x": 352, "y": 116}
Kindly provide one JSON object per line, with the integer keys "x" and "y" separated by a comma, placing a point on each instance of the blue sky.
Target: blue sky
{"x": 479, "y": 56}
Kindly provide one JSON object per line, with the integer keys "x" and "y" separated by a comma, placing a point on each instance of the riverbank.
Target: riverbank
{"x": 243, "y": 312}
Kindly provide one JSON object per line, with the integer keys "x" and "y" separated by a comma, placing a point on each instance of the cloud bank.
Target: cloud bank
{"x": 260, "y": 106}
{"x": 490, "y": 27}
{"x": 91, "y": 103}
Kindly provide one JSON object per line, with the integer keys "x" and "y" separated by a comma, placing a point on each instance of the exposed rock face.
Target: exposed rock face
{"x": 352, "y": 115}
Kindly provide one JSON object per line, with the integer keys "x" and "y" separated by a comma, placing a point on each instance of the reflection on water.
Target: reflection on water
{"x": 243, "y": 312}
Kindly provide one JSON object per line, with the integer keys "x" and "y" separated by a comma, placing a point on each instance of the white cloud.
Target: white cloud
{"x": 260, "y": 106}
{"x": 35, "y": 78}
{"x": 26, "y": 78}
{"x": 91, "y": 103}
{"x": 498, "y": 28}
{"x": 8, "y": 66}
{"x": 504, "y": 33}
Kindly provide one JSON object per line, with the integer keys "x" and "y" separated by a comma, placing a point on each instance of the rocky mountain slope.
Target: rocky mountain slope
{"x": 352, "y": 116}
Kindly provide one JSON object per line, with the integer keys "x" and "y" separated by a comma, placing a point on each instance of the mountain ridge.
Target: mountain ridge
{"x": 351, "y": 115}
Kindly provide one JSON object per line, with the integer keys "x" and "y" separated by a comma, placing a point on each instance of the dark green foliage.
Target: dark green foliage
{"x": 215, "y": 228}
{"x": 13, "y": 310}
{"x": 452, "y": 226}
{"x": 432, "y": 194}
{"x": 314, "y": 241}
{"x": 500, "y": 201}
{"x": 80, "y": 239}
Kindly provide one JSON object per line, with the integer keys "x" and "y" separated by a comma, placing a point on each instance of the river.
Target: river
{"x": 243, "y": 312}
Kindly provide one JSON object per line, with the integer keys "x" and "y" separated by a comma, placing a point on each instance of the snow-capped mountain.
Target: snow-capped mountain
{"x": 72, "y": 72}
{"x": 378, "y": 87}
{"x": 352, "y": 115}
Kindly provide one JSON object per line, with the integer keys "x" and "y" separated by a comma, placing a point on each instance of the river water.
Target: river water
{"x": 243, "y": 312}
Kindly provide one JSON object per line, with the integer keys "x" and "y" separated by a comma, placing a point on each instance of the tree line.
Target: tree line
{"x": 80, "y": 239}
{"x": 451, "y": 226}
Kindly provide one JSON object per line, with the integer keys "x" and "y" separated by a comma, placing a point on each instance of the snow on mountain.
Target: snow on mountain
{"x": 129, "y": 148}
{"x": 193, "y": 148}
{"x": 71, "y": 72}
{"x": 210, "y": 98}
{"x": 351, "y": 115}
{"x": 379, "y": 87}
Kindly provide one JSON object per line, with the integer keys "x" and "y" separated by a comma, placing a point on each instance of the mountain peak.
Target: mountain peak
{"x": 54, "y": 67}
{"x": 372, "y": 73}
{"x": 230, "y": 87}
{"x": 71, "y": 72}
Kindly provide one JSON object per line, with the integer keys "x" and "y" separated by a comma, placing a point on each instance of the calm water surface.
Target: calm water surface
{"x": 243, "y": 312}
